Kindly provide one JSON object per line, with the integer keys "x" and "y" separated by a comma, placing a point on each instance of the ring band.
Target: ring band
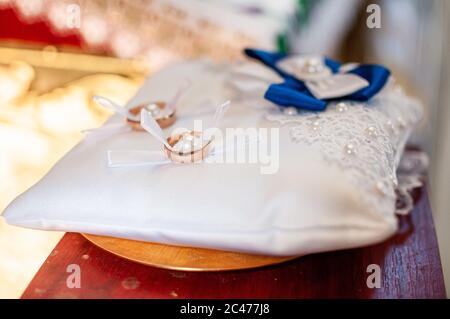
{"x": 191, "y": 156}
{"x": 164, "y": 121}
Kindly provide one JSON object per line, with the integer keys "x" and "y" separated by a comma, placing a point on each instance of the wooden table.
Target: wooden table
{"x": 410, "y": 268}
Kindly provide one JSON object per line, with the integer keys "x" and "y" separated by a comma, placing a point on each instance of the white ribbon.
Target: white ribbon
{"x": 126, "y": 158}
{"x": 119, "y": 109}
{"x": 136, "y": 158}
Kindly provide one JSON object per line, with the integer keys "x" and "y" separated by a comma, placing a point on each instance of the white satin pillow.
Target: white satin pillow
{"x": 334, "y": 189}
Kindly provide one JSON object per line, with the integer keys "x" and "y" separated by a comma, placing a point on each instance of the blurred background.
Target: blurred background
{"x": 56, "y": 54}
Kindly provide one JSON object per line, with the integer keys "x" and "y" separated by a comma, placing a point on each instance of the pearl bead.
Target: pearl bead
{"x": 315, "y": 125}
{"x": 156, "y": 112}
{"x": 313, "y": 66}
{"x": 391, "y": 126}
{"x": 381, "y": 187}
{"x": 291, "y": 111}
{"x": 401, "y": 122}
{"x": 341, "y": 107}
{"x": 350, "y": 149}
{"x": 371, "y": 131}
{"x": 188, "y": 143}
{"x": 398, "y": 88}
{"x": 153, "y": 109}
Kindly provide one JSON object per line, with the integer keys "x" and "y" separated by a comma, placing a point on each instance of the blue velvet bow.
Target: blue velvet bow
{"x": 293, "y": 92}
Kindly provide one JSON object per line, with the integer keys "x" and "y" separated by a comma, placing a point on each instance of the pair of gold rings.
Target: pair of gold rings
{"x": 187, "y": 147}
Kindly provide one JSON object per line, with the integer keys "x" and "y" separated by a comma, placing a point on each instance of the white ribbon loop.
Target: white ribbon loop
{"x": 220, "y": 113}
{"x": 110, "y": 105}
{"x": 136, "y": 158}
{"x": 151, "y": 126}
{"x": 109, "y": 129}
{"x": 336, "y": 85}
{"x": 118, "y": 109}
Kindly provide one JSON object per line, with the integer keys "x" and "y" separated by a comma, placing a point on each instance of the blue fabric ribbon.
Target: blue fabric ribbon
{"x": 293, "y": 92}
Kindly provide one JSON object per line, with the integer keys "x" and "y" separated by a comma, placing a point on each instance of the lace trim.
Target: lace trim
{"x": 411, "y": 173}
{"x": 364, "y": 139}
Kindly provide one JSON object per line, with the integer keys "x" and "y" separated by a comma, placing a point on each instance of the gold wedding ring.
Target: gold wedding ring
{"x": 192, "y": 155}
{"x": 164, "y": 119}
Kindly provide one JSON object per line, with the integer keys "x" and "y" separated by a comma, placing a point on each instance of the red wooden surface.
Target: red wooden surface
{"x": 37, "y": 31}
{"x": 410, "y": 267}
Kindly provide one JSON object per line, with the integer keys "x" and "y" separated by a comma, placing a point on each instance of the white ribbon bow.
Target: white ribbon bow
{"x": 119, "y": 158}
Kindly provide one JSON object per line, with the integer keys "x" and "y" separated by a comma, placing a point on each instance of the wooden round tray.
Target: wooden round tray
{"x": 182, "y": 258}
